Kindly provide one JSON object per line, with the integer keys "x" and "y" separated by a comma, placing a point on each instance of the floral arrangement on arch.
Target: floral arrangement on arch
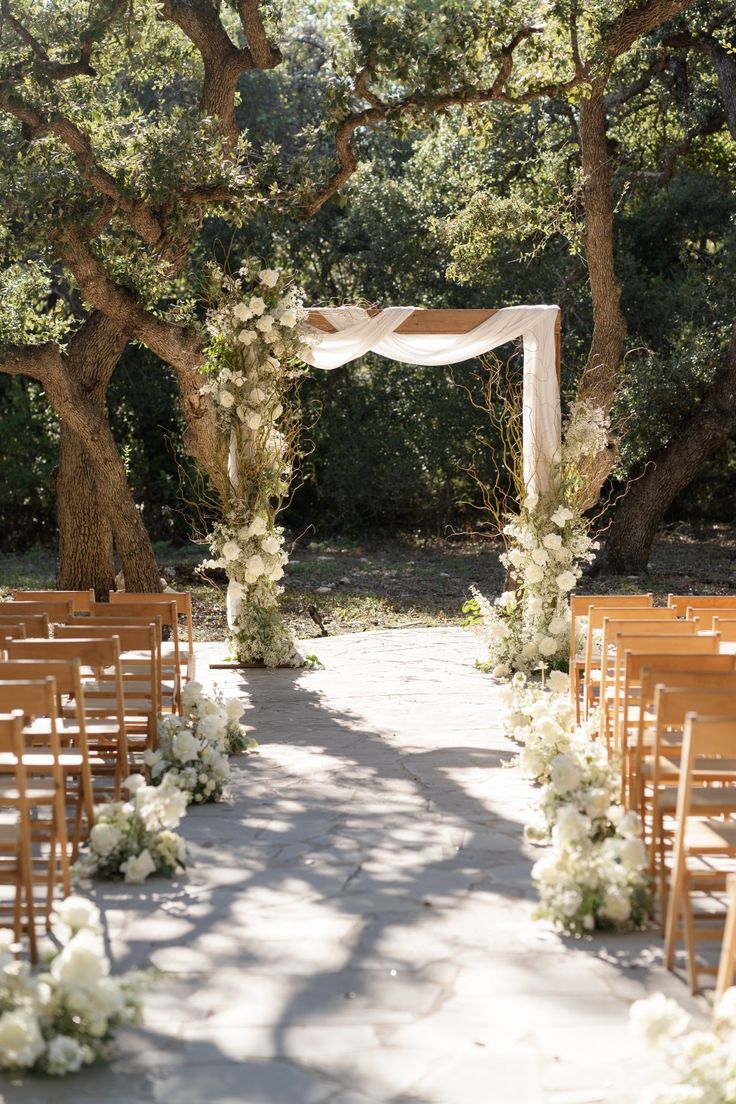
{"x": 136, "y": 838}
{"x": 702, "y": 1063}
{"x": 257, "y": 342}
{"x": 547, "y": 545}
{"x": 62, "y": 1018}
{"x": 595, "y": 874}
{"x": 193, "y": 748}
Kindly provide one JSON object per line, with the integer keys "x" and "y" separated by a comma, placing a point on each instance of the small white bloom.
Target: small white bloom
{"x": 257, "y": 305}
{"x": 191, "y": 694}
{"x": 547, "y": 646}
{"x": 226, "y": 399}
{"x": 77, "y": 913}
{"x": 64, "y": 1054}
{"x": 616, "y": 905}
{"x": 658, "y": 1019}
{"x": 137, "y": 869}
{"x": 21, "y": 1042}
{"x": 253, "y": 420}
{"x": 271, "y": 545}
{"x": 185, "y": 746}
{"x": 269, "y": 277}
{"x": 540, "y": 556}
{"x": 255, "y": 566}
{"x": 256, "y": 397}
{"x": 565, "y": 580}
{"x": 534, "y": 574}
{"x": 561, "y": 516}
{"x": 288, "y": 318}
{"x": 553, "y": 541}
{"x": 558, "y": 681}
{"x": 257, "y": 527}
{"x": 247, "y": 337}
{"x": 265, "y": 323}
{"x": 565, "y": 773}
{"x": 242, "y": 312}
{"x": 230, "y": 550}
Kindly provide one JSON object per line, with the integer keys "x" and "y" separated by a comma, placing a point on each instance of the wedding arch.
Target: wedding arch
{"x": 261, "y": 339}
{"x": 439, "y": 337}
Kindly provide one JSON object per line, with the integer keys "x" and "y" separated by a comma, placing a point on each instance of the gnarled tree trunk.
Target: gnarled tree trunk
{"x": 85, "y": 536}
{"x": 641, "y": 513}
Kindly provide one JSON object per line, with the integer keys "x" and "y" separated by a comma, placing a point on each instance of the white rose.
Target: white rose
{"x": 21, "y": 1042}
{"x": 630, "y": 825}
{"x": 271, "y": 545}
{"x": 658, "y": 1019}
{"x": 253, "y": 420}
{"x": 570, "y": 826}
{"x": 256, "y": 396}
{"x": 269, "y": 277}
{"x": 185, "y": 746}
{"x": 257, "y": 527}
{"x": 558, "y": 681}
{"x": 529, "y": 651}
{"x": 553, "y": 541}
{"x": 242, "y": 313}
{"x": 82, "y": 962}
{"x": 64, "y": 1054}
{"x": 501, "y": 670}
{"x": 133, "y": 783}
{"x": 547, "y": 646}
{"x": 212, "y": 727}
{"x": 596, "y": 803}
{"x": 191, "y": 694}
{"x": 533, "y": 574}
{"x": 247, "y": 337}
{"x": 288, "y": 318}
{"x": 265, "y": 324}
{"x": 257, "y": 305}
{"x": 77, "y": 913}
{"x": 565, "y": 580}
{"x": 255, "y": 566}
{"x": 516, "y": 557}
{"x": 235, "y": 709}
{"x": 104, "y": 838}
{"x": 616, "y": 906}
{"x": 561, "y": 516}
{"x": 564, "y": 773}
{"x": 226, "y": 399}
{"x": 540, "y": 556}
{"x": 137, "y": 869}
{"x": 230, "y": 550}
{"x": 557, "y": 626}
{"x": 276, "y": 573}
{"x": 507, "y": 599}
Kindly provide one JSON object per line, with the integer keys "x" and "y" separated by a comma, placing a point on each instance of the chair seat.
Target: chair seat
{"x": 36, "y": 792}
{"x": 68, "y": 726}
{"x": 708, "y": 798}
{"x": 710, "y": 837}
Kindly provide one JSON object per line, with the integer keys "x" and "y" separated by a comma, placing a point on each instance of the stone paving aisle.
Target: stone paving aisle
{"x": 355, "y": 924}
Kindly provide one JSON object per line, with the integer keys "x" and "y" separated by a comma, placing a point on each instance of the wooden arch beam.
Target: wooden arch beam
{"x": 436, "y": 321}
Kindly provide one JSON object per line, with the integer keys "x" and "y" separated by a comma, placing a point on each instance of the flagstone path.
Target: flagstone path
{"x": 355, "y": 926}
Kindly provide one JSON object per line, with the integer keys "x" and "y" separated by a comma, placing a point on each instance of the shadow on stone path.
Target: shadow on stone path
{"x": 355, "y": 924}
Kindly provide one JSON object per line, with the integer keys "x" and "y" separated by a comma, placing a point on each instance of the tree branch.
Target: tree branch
{"x": 264, "y": 55}
{"x": 636, "y": 22}
{"x": 714, "y": 123}
{"x": 64, "y": 70}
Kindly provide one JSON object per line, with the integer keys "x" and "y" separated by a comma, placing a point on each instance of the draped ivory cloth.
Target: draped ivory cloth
{"x": 357, "y": 333}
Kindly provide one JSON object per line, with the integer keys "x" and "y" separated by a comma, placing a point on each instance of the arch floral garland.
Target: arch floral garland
{"x": 257, "y": 344}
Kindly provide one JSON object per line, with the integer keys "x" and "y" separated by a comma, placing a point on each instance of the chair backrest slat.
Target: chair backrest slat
{"x": 35, "y": 624}
{"x": 80, "y": 599}
{"x": 680, "y": 602}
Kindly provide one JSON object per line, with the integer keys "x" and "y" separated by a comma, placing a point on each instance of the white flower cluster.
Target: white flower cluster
{"x": 595, "y": 874}
{"x": 258, "y": 342}
{"x": 193, "y": 748}
{"x": 702, "y": 1062}
{"x": 132, "y": 839}
{"x": 547, "y": 545}
{"x": 59, "y": 1020}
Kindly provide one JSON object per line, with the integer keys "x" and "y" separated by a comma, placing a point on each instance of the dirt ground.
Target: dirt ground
{"x": 338, "y": 586}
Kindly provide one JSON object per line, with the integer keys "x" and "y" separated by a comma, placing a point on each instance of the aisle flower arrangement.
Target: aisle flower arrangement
{"x": 193, "y": 747}
{"x": 594, "y": 874}
{"x": 257, "y": 339}
{"x": 702, "y": 1062}
{"x": 547, "y": 546}
{"x": 64, "y": 1017}
{"x": 133, "y": 839}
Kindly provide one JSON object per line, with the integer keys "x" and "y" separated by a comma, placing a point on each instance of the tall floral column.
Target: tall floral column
{"x": 257, "y": 342}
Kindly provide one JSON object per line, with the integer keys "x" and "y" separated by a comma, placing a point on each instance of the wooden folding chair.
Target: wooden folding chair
{"x": 165, "y": 616}
{"x": 709, "y": 693}
{"x": 80, "y": 599}
{"x": 55, "y": 610}
{"x": 11, "y": 632}
{"x": 680, "y": 602}
{"x": 35, "y": 624}
{"x": 594, "y": 657}
{"x": 726, "y": 629}
{"x": 104, "y": 723}
{"x": 140, "y": 665}
{"x": 704, "y": 618}
{"x": 703, "y": 845}
{"x": 15, "y": 831}
{"x": 727, "y": 961}
{"x": 643, "y": 670}
{"x": 579, "y": 606}
{"x": 45, "y": 777}
{"x": 75, "y": 756}
{"x": 183, "y": 601}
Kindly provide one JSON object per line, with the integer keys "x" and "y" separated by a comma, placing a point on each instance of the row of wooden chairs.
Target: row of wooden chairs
{"x": 82, "y": 685}
{"x": 664, "y": 682}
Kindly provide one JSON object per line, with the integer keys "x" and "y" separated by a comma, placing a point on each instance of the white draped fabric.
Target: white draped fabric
{"x": 357, "y": 333}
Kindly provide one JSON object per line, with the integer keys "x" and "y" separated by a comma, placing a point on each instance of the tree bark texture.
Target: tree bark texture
{"x": 641, "y": 513}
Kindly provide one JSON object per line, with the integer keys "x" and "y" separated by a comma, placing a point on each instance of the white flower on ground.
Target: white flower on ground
{"x": 77, "y": 913}
{"x": 269, "y": 277}
{"x": 558, "y": 681}
{"x": 104, "y": 838}
{"x": 566, "y": 580}
{"x": 564, "y": 773}
{"x": 596, "y": 802}
{"x": 529, "y": 651}
{"x": 571, "y": 826}
{"x": 212, "y": 727}
{"x": 21, "y": 1042}
{"x": 64, "y": 1054}
{"x": 185, "y": 746}
{"x": 616, "y": 905}
{"x": 257, "y": 305}
{"x": 191, "y": 694}
{"x": 501, "y": 670}
{"x": 133, "y": 783}
{"x": 725, "y": 1010}
{"x": 235, "y": 709}
{"x": 82, "y": 963}
{"x": 137, "y": 869}
{"x": 230, "y": 550}
{"x": 658, "y": 1019}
